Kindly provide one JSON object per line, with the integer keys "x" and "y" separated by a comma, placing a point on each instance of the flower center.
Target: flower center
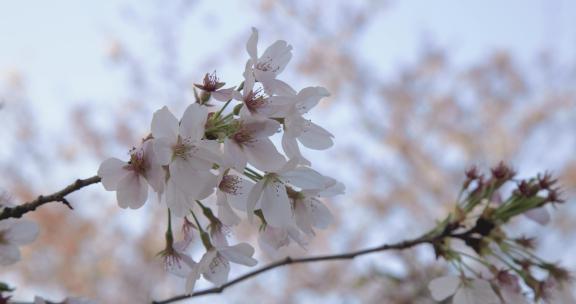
{"x": 255, "y": 100}
{"x": 230, "y": 184}
{"x": 137, "y": 162}
{"x": 182, "y": 149}
{"x": 265, "y": 65}
{"x": 243, "y": 137}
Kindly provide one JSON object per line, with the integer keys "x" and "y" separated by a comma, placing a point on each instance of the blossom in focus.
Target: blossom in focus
{"x": 270, "y": 193}
{"x": 181, "y": 147}
{"x": 130, "y": 179}
{"x": 14, "y": 233}
{"x": 271, "y": 63}
{"x": 299, "y": 129}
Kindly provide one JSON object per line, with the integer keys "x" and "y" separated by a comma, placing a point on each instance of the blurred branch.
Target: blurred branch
{"x": 60, "y": 196}
{"x": 430, "y": 238}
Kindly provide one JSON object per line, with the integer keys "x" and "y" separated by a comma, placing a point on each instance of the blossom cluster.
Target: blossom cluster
{"x": 493, "y": 266}
{"x": 218, "y": 165}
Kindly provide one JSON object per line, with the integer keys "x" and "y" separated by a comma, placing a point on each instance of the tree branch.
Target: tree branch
{"x": 427, "y": 238}
{"x": 60, "y": 196}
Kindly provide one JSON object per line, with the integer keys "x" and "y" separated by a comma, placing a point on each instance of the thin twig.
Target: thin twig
{"x": 60, "y": 196}
{"x": 427, "y": 238}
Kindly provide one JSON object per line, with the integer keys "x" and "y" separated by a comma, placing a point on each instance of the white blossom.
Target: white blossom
{"x": 189, "y": 157}
{"x": 272, "y": 62}
{"x": 15, "y": 233}
{"x": 215, "y": 264}
{"x": 130, "y": 179}
{"x": 271, "y": 196}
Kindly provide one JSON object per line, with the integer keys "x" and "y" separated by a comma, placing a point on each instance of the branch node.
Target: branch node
{"x": 67, "y": 203}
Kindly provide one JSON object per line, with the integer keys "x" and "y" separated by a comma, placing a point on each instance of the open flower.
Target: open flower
{"x": 189, "y": 157}
{"x": 271, "y": 195}
{"x": 14, "y": 233}
{"x": 215, "y": 264}
{"x": 299, "y": 129}
{"x": 270, "y": 64}
{"x": 465, "y": 291}
{"x": 130, "y": 179}
{"x": 250, "y": 143}
{"x": 256, "y": 101}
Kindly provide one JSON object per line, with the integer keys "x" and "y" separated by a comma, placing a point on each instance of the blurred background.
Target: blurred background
{"x": 421, "y": 90}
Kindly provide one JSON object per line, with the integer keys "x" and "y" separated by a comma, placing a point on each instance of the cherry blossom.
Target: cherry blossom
{"x": 14, "y": 233}
{"x": 296, "y": 127}
{"x": 189, "y": 157}
{"x": 271, "y": 195}
{"x": 271, "y": 239}
{"x": 130, "y": 179}
{"x": 270, "y": 64}
{"x": 215, "y": 264}
{"x": 213, "y": 86}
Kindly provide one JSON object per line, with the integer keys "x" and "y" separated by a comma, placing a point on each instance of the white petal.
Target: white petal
{"x": 480, "y": 292}
{"x": 248, "y": 79}
{"x": 193, "y": 276}
{"x": 315, "y": 137}
{"x": 240, "y": 196}
{"x": 209, "y": 151}
{"x": 539, "y": 215}
{"x": 276, "y": 205}
{"x": 280, "y": 87}
{"x": 224, "y": 94}
{"x": 9, "y": 254}
{"x": 252, "y": 44}
{"x": 132, "y": 191}
{"x": 304, "y": 178}
{"x": 254, "y": 198}
{"x": 155, "y": 174}
{"x": 225, "y": 212}
{"x": 263, "y": 155}
{"x": 309, "y": 98}
{"x": 292, "y": 150}
{"x": 443, "y": 287}
{"x": 22, "y": 232}
{"x": 218, "y": 270}
{"x": 240, "y": 254}
{"x": 266, "y": 79}
{"x": 164, "y": 124}
{"x": 321, "y": 216}
{"x": 182, "y": 267}
{"x": 278, "y": 55}
{"x": 193, "y": 122}
{"x": 303, "y": 218}
{"x": 163, "y": 150}
{"x": 260, "y": 127}
{"x": 177, "y": 200}
{"x": 197, "y": 184}
{"x": 234, "y": 156}
{"x": 112, "y": 171}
